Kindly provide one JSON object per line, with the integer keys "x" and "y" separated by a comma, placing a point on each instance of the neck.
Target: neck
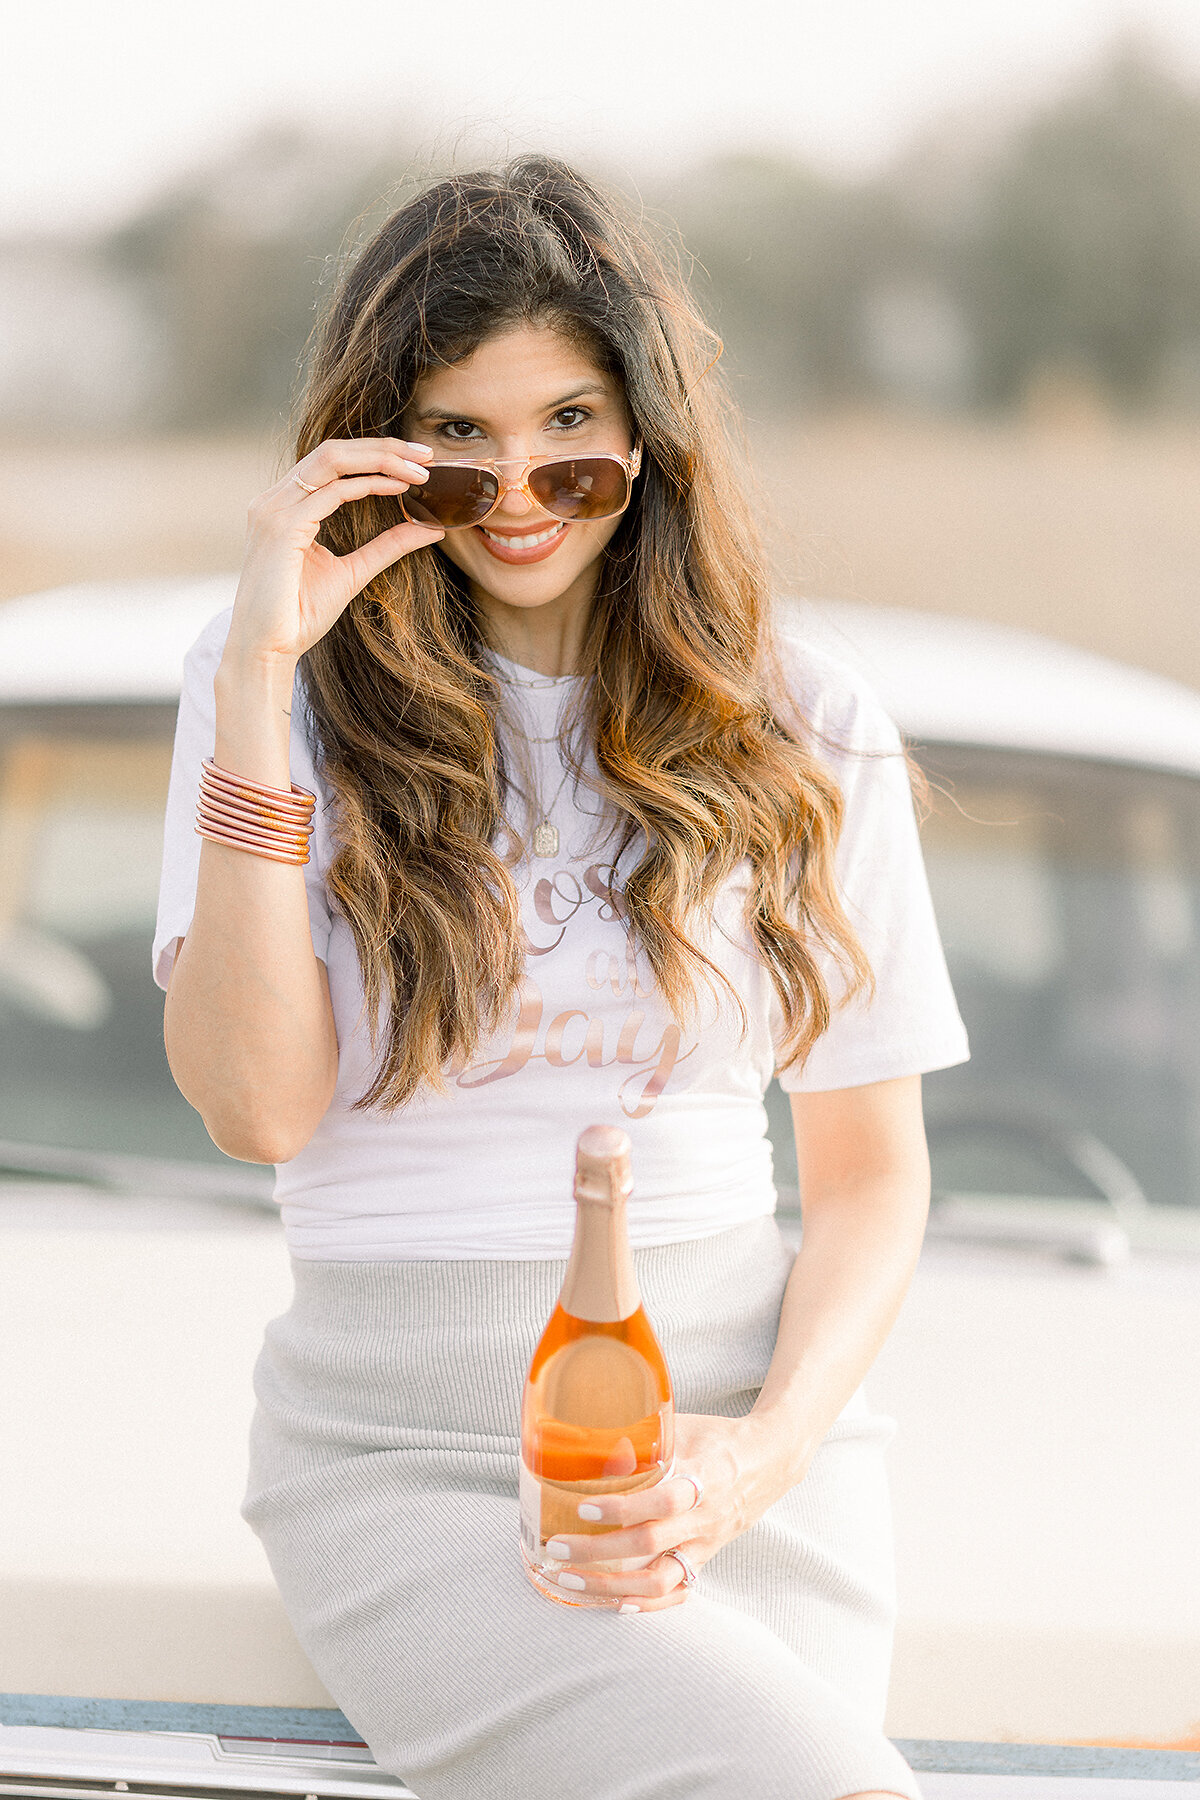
{"x": 600, "y": 1284}
{"x": 548, "y": 638}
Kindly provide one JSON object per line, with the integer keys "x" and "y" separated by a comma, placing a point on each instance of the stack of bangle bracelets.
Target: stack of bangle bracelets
{"x": 249, "y": 815}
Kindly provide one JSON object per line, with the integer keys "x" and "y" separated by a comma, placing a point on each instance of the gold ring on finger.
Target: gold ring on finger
{"x": 689, "y": 1574}
{"x": 304, "y": 485}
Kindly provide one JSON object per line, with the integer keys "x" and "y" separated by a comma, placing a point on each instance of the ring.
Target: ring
{"x": 689, "y": 1574}
{"x": 304, "y": 485}
{"x": 699, "y": 1487}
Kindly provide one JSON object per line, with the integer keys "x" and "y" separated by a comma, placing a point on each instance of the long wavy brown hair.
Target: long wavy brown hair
{"x": 698, "y": 759}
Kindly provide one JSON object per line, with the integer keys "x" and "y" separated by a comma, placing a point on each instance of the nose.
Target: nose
{"x": 512, "y": 499}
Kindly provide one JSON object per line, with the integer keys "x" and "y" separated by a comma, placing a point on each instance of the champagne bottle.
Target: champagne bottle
{"x": 597, "y": 1414}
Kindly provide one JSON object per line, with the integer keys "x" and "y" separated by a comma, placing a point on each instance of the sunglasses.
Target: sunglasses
{"x": 458, "y": 495}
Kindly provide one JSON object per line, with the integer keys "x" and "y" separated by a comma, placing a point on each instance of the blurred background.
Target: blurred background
{"x": 954, "y": 257}
{"x": 955, "y": 261}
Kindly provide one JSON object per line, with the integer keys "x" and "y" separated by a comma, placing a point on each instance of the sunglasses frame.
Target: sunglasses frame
{"x": 497, "y": 464}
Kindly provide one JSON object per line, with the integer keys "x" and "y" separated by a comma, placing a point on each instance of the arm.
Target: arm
{"x": 248, "y": 1024}
{"x": 864, "y": 1178}
{"x": 864, "y": 1185}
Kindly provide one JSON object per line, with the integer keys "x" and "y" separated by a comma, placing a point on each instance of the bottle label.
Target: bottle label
{"x": 530, "y": 1491}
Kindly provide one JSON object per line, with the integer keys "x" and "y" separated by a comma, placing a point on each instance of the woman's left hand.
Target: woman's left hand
{"x": 742, "y": 1470}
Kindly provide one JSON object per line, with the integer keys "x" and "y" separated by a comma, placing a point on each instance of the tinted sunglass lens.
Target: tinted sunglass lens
{"x": 584, "y": 487}
{"x": 452, "y": 497}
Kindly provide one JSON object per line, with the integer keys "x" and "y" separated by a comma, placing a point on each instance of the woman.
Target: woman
{"x": 591, "y": 844}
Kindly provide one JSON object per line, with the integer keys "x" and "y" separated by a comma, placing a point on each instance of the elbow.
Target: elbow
{"x": 251, "y": 1135}
{"x": 255, "y": 1146}
{"x": 254, "y": 1114}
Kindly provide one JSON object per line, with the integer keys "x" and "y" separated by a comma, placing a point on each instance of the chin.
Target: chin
{"x": 537, "y": 584}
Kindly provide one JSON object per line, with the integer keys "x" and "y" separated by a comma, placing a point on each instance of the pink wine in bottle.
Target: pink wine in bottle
{"x": 597, "y": 1414}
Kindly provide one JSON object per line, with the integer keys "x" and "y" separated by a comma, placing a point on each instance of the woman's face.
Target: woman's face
{"x": 528, "y": 391}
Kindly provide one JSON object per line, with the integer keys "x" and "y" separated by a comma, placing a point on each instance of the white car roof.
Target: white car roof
{"x": 944, "y": 679}
{"x": 105, "y": 640}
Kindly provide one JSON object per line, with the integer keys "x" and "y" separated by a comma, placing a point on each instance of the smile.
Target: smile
{"x": 530, "y": 547}
{"x": 522, "y": 543}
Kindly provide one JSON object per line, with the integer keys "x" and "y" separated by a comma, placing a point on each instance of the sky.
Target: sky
{"x": 102, "y": 105}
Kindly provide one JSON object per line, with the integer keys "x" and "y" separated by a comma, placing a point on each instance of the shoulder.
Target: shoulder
{"x": 829, "y": 700}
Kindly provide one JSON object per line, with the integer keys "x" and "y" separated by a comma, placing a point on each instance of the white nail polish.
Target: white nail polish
{"x": 589, "y": 1512}
{"x": 571, "y": 1581}
{"x": 558, "y": 1550}
{"x": 628, "y": 1606}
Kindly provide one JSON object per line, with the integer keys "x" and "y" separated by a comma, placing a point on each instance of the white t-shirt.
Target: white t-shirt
{"x": 485, "y": 1169}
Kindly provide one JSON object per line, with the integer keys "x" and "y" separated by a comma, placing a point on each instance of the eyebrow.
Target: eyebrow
{"x": 433, "y": 414}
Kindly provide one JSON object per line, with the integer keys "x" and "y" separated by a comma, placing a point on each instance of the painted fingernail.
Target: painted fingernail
{"x": 568, "y": 1580}
{"x": 418, "y": 469}
{"x": 628, "y": 1606}
{"x": 587, "y": 1511}
{"x": 558, "y": 1550}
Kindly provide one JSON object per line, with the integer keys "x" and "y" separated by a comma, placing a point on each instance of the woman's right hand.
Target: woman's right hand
{"x": 292, "y": 589}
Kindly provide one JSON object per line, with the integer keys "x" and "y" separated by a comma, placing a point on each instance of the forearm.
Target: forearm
{"x": 857, "y": 1258}
{"x": 248, "y": 1025}
{"x": 861, "y": 1244}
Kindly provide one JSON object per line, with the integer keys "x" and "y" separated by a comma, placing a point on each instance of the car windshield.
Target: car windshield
{"x": 1067, "y": 894}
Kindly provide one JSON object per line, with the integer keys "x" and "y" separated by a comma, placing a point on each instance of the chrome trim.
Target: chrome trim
{"x": 78, "y": 1764}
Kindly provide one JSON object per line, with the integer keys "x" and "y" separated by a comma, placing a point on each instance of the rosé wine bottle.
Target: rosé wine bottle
{"x": 597, "y": 1414}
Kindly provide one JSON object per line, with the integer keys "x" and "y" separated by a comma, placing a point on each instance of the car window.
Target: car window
{"x": 1068, "y": 896}
{"x": 82, "y": 1064}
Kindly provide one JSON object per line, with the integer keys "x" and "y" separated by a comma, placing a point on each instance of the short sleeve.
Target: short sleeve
{"x": 911, "y": 1025}
{"x": 195, "y": 738}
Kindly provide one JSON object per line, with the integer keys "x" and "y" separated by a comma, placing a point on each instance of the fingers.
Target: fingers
{"x": 370, "y": 559}
{"x": 665, "y": 1500}
{"x": 660, "y": 1583}
{"x": 326, "y": 500}
{"x": 646, "y": 1540}
{"x": 355, "y": 456}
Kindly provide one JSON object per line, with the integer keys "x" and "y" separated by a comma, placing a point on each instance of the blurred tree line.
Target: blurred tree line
{"x": 978, "y": 265}
{"x": 974, "y": 267}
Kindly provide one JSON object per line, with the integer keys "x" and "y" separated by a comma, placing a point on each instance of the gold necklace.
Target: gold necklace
{"x": 545, "y": 835}
{"x": 545, "y": 840}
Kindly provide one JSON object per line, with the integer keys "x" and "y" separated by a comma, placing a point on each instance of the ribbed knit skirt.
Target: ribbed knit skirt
{"x": 383, "y": 1485}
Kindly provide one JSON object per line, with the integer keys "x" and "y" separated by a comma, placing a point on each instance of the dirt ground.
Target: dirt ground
{"x": 1071, "y": 523}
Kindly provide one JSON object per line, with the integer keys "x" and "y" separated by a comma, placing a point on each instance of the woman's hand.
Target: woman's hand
{"x": 742, "y": 1469}
{"x": 292, "y": 589}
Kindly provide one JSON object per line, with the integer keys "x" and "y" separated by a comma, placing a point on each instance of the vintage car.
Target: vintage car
{"x": 1042, "y": 1372}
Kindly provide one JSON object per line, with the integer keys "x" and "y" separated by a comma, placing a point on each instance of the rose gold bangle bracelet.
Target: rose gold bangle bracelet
{"x": 243, "y": 819}
{"x": 290, "y": 805}
{"x": 246, "y": 837}
{"x": 246, "y": 834}
{"x": 252, "y": 816}
{"x": 284, "y": 856}
{"x": 298, "y": 797}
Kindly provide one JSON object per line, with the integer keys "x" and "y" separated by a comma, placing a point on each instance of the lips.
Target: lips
{"x": 525, "y": 547}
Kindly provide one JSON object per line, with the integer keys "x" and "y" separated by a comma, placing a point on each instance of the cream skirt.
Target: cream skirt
{"x": 383, "y": 1485}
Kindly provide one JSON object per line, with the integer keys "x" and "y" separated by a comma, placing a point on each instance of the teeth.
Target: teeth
{"x": 522, "y": 543}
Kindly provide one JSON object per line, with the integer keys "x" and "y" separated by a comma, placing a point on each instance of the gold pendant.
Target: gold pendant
{"x": 545, "y": 839}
